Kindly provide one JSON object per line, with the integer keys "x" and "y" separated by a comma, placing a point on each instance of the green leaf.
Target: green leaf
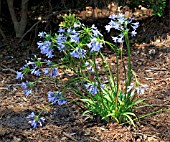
{"x": 130, "y": 119}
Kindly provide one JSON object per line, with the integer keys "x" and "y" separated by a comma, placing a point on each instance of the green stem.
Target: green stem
{"x": 117, "y": 73}
{"x": 129, "y": 61}
{"x": 44, "y": 109}
{"x": 149, "y": 114}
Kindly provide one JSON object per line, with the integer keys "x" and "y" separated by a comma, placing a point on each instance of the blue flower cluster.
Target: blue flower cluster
{"x": 78, "y": 53}
{"x": 95, "y": 45}
{"x": 120, "y": 23}
{"x": 33, "y": 67}
{"x": 35, "y": 121}
{"x": 61, "y": 39}
{"x": 56, "y": 98}
{"x": 45, "y": 48}
{"x": 90, "y": 66}
{"x": 72, "y": 35}
{"x": 92, "y": 88}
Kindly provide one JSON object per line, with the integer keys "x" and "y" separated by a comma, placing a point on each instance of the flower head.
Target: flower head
{"x": 78, "y": 53}
{"x": 61, "y": 30}
{"x": 52, "y": 97}
{"x": 36, "y": 72}
{"x": 42, "y": 34}
{"x": 74, "y": 38}
{"x": 120, "y": 23}
{"x": 76, "y": 25}
{"x": 133, "y": 33}
{"x": 91, "y": 88}
{"x": 108, "y": 27}
{"x": 54, "y": 72}
{"x": 139, "y": 89}
{"x": 95, "y": 31}
{"x": 94, "y": 45}
{"x": 56, "y": 98}
{"x": 35, "y": 120}
{"x": 46, "y": 71}
{"x": 61, "y": 39}
{"x": 45, "y": 48}
{"x": 19, "y": 75}
{"x": 25, "y": 87}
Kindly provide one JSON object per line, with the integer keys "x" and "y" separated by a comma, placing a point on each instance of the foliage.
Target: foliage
{"x": 157, "y": 6}
{"x": 81, "y": 46}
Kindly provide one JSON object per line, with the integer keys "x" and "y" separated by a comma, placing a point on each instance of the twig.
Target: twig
{"x": 8, "y": 69}
{"x": 69, "y": 136}
{"x": 29, "y": 31}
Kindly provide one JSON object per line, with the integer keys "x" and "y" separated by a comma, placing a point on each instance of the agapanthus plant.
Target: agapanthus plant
{"x": 81, "y": 46}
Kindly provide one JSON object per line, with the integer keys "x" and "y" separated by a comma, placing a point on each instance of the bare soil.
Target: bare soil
{"x": 64, "y": 123}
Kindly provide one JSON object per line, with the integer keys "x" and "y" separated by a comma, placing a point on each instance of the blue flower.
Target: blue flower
{"x": 95, "y": 31}
{"x": 61, "y": 30}
{"x": 35, "y": 121}
{"x": 135, "y": 25}
{"x": 27, "y": 92}
{"x": 115, "y": 25}
{"x": 108, "y": 27}
{"x": 45, "y": 48}
{"x": 56, "y": 98}
{"x": 32, "y": 115}
{"x": 133, "y": 33}
{"x": 61, "y": 39}
{"x": 78, "y": 53}
{"x": 76, "y": 25}
{"x": 94, "y": 45}
{"x": 46, "y": 71}
{"x": 91, "y": 88}
{"x": 113, "y": 16}
{"x": 49, "y": 53}
{"x": 19, "y": 75}
{"x": 120, "y": 22}
{"x": 24, "y": 85}
{"x": 74, "y": 38}
{"x": 36, "y": 72}
{"x": 115, "y": 39}
{"x": 137, "y": 88}
{"x": 121, "y": 38}
{"x": 52, "y": 97}
{"x": 54, "y": 72}
{"x": 62, "y": 102}
{"x": 49, "y": 63}
{"x": 69, "y": 30}
{"x": 42, "y": 34}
